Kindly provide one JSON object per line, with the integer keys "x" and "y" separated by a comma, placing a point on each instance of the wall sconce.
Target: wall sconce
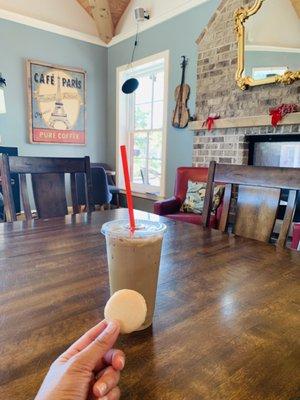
{"x": 2, "y": 99}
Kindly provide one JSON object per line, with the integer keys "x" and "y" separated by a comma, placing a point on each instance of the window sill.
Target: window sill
{"x": 148, "y": 196}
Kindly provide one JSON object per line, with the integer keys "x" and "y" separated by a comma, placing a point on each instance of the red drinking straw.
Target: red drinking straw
{"x": 127, "y": 187}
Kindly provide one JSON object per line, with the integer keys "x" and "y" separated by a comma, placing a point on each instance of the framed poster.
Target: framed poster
{"x": 56, "y": 98}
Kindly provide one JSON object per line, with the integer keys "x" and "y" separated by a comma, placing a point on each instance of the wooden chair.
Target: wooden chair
{"x": 111, "y": 179}
{"x": 101, "y": 194}
{"x": 48, "y": 184}
{"x": 259, "y": 190}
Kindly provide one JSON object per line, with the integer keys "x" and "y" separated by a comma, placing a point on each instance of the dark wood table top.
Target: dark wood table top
{"x": 226, "y": 323}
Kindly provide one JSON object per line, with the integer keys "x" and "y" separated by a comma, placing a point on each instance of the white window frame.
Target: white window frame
{"x": 122, "y": 122}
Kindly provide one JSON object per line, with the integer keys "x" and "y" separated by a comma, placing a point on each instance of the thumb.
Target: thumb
{"x": 92, "y": 355}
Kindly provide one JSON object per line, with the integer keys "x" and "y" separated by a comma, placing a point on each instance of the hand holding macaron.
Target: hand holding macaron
{"x": 90, "y": 368}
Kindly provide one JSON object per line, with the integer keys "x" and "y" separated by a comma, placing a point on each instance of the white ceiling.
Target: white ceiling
{"x": 65, "y": 13}
{"x": 68, "y": 18}
{"x": 158, "y": 9}
{"x": 276, "y": 24}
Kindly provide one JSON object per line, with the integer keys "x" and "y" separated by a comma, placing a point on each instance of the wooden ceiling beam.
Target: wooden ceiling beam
{"x": 296, "y": 5}
{"x": 99, "y": 10}
{"x": 106, "y": 14}
{"x": 117, "y": 9}
{"x": 101, "y": 13}
{"x": 86, "y": 6}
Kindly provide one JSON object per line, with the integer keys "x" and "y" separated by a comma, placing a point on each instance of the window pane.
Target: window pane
{"x": 159, "y": 86}
{"x": 142, "y": 116}
{"x": 158, "y": 113}
{"x": 155, "y": 145}
{"x": 139, "y": 169}
{"x": 140, "y": 145}
{"x": 143, "y": 93}
{"x": 154, "y": 173}
{"x": 154, "y": 162}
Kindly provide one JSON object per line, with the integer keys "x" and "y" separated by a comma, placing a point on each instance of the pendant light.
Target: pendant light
{"x": 131, "y": 84}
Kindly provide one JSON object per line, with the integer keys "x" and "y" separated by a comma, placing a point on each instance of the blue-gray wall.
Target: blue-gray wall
{"x": 18, "y": 43}
{"x": 177, "y": 35}
{"x": 257, "y": 59}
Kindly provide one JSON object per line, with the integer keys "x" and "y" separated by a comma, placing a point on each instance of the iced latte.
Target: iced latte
{"x": 133, "y": 259}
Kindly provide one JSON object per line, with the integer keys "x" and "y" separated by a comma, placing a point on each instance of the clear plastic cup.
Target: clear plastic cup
{"x": 134, "y": 258}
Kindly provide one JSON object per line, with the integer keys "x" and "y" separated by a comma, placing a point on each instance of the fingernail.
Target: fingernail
{"x": 122, "y": 362}
{"x": 104, "y": 398}
{"x": 112, "y": 327}
{"x": 102, "y": 388}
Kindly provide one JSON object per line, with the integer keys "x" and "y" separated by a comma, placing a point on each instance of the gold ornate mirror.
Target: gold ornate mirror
{"x": 268, "y": 35}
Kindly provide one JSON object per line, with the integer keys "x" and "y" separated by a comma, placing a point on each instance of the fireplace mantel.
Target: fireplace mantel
{"x": 244, "y": 122}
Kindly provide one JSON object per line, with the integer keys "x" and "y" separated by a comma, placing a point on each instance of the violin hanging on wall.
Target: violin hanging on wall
{"x": 181, "y": 115}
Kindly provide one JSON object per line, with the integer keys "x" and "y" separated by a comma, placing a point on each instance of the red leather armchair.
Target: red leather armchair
{"x": 170, "y": 208}
{"x": 296, "y": 236}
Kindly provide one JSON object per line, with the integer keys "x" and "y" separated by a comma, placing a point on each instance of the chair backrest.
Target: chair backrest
{"x": 48, "y": 184}
{"x": 110, "y": 178}
{"x": 184, "y": 174}
{"x": 101, "y": 193}
{"x": 258, "y": 198}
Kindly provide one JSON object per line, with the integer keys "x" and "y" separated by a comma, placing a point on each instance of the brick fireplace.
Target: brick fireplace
{"x": 231, "y": 145}
{"x": 217, "y": 92}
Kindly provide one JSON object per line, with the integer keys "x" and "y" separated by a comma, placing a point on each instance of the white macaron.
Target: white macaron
{"x": 128, "y": 307}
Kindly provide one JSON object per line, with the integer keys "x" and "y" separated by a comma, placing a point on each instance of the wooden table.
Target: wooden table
{"x": 226, "y": 323}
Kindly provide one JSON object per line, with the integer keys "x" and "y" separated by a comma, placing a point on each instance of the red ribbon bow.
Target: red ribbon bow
{"x": 278, "y": 113}
{"x": 209, "y": 122}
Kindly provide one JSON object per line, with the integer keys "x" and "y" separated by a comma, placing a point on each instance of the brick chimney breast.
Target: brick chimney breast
{"x": 218, "y": 93}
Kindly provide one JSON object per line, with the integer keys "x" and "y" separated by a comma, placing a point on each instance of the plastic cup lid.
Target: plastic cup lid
{"x": 144, "y": 228}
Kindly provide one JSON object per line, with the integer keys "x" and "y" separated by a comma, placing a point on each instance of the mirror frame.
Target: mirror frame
{"x": 243, "y": 82}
